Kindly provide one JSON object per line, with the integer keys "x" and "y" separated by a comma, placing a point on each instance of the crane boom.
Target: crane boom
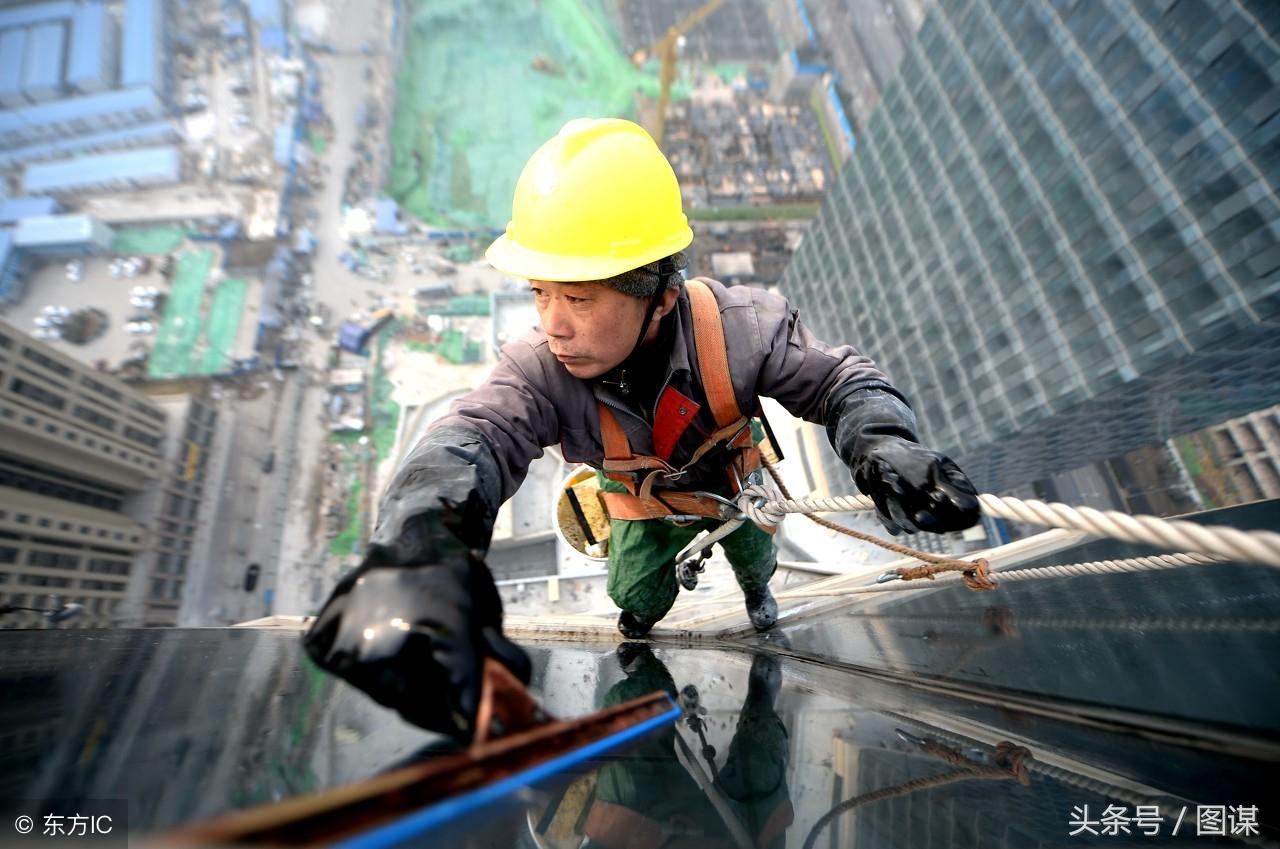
{"x": 665, "y": 48}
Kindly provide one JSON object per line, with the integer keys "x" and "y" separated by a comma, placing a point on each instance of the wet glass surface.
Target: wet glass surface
{"x": 189, "y": 724}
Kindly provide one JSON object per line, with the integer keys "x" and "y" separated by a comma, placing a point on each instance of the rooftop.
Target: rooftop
{"x": 150, "y": 164}
{"x": 139, "y": 52}
{"x": 79, "y": 108}
{"x": 38, "y": 230}
{"x": 35, "y": 13}
{"x": 12, "y": 209}
{"x": 88, "y": 44}
{"x": 46, "y": 47}
{"x": 13, "y": 46}
{"x": 157, "y": 132}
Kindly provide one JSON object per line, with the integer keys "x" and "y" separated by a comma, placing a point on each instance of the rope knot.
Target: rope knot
{"x": 753, "y": 501}
{"x": 975, "y": 573}
{"x": 978, "y": 578}
{"x": 1014, "y": 758}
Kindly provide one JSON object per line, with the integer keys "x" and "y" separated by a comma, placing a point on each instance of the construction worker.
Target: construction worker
{"x": 636, "y": 372}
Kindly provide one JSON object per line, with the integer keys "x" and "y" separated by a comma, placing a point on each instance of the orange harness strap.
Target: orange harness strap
{"x": 620, "y": 462}
{"x": 713, "y": 357}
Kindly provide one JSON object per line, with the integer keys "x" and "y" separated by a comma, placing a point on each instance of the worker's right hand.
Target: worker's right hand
{"x": 414, "y": 635}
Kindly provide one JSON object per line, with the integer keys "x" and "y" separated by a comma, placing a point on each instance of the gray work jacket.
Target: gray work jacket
{"x": 530, "y": 400}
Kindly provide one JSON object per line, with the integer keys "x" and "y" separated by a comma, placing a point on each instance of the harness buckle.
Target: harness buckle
{"x": 728, "y": 509}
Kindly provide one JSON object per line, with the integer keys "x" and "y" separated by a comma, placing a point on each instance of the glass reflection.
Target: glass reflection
{"x": 772, "y": 750}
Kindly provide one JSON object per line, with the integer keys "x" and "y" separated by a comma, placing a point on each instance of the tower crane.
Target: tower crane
{"x": 665, "y": 48}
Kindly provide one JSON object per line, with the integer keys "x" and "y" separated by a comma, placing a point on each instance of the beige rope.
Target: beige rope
{"x": 975, "y": 572}
{"x": 1093, "y": 567}
{"x": 1261, "y": 547}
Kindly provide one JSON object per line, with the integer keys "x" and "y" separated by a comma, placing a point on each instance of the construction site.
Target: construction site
{"x": 466, "y": 117}
{"x": 935, "y": 503}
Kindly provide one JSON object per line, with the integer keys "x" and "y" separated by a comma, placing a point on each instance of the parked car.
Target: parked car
{"x": 135, "y": 265}
{"x": 75, "y": 270}
{"x": 251, "y": 577}
{"x": 47, "y": 334}
{"x": 135, "y": 328}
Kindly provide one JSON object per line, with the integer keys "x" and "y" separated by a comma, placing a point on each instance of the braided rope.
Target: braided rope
{"x": 1261, "y": 547}
{"x": 975, "y": 572}
{"x": 1152, "y": 563}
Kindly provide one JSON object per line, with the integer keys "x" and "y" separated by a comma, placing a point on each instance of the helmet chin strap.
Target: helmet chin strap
{"x": 665, "y": 269}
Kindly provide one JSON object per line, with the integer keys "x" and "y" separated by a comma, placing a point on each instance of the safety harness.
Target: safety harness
{"x": 674, "y": 413}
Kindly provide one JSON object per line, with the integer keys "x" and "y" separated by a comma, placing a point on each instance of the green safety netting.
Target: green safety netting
{"x": 222, "y": 325}
{"x": 148, "y": 240}
{"x": 191, "y": 340}
{"x": 180, "y": 327}
{"x": 483, "y": 83}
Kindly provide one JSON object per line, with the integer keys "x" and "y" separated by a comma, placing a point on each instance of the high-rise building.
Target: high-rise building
{"x": 1059, "y": 232}
{"x": 73, "y": 445}
{"x": 100, "y": 486}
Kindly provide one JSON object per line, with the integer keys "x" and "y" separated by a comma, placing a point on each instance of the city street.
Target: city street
{"x": 272, "y": 517}
{"x": 301, "y": 571}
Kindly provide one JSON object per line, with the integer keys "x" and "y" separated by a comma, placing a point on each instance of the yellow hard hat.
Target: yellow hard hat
{"x": 595, "y": 201}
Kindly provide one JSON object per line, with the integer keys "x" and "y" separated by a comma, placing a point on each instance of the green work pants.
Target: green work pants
{"x": 642, "y": 574}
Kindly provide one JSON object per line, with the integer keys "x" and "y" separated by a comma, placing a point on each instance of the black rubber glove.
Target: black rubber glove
{"x": 913, "y": 488}
{"x": 412, "y": 625}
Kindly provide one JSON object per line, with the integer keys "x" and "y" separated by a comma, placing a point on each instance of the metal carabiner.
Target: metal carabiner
{"x": 728, "y": 509}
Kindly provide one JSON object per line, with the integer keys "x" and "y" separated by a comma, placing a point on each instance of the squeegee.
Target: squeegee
{"x": 516, "y": 744}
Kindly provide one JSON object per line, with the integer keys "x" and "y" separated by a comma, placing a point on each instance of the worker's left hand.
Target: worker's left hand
{"x": 915, "y": 488}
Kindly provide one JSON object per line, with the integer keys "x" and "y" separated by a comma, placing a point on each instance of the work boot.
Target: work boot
{"x": 765, "y": 679}
{"x": 629, "y": 653}
{"x": 635, "y": 627}
{"x": 761, "y": 608}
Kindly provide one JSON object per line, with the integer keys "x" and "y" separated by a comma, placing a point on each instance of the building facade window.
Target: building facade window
{"x": 52, "y": 560}
{"x": 103, "y": 566}
{"x": 47, "y": 362}
{"x": 141, "y": 437}
{"x": 100, "y": 388}
{"x": 93, "y": 417}
{"x": 39, "y": 394}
